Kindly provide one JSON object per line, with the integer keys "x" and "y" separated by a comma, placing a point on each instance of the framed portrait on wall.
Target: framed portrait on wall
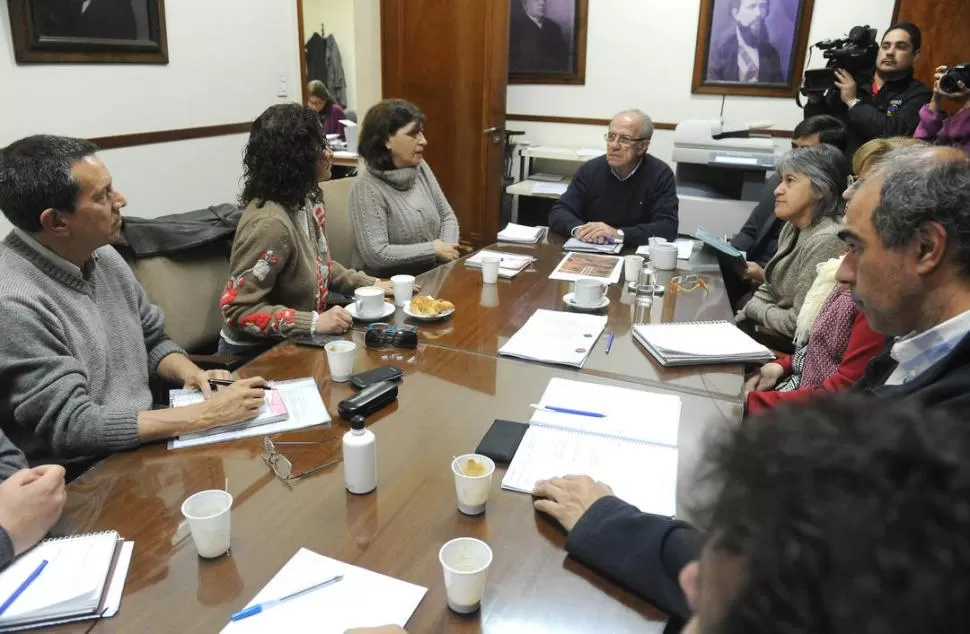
{"x": 547, "y": 41}
{"x": 751, "y": 47}
{"x": 89, "y": 31}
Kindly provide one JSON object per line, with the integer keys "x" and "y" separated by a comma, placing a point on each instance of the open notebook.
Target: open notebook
{"x": 633, "y": 449}
{"x": 78, "y": 581}
{"x": 273, "y": 410}
{"x": 699, "y": 343}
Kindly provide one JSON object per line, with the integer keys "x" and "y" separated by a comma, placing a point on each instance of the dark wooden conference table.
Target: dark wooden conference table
{"x": 455, "y": 385}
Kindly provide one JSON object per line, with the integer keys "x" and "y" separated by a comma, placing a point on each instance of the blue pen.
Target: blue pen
{"x": 265, "y": 605}
{"x": 19, "y": 591}
{"x": 609, "y": 344}
{"x": 565, "y": 410}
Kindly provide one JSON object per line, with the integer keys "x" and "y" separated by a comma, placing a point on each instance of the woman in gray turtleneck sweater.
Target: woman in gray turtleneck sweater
{"x": 402, "y": 220}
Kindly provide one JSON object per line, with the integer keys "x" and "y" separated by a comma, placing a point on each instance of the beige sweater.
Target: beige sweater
{"x": 791, "y": 272}
{"x": 280, "y": 272}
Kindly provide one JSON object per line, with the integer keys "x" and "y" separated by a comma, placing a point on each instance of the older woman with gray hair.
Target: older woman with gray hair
{"x": 809, "y": 200}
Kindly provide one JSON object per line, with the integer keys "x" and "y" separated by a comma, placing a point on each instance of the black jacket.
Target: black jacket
{"x": 146, "y": 237}
{"x": 893, "y": 111}
{"x": 724, "y": 63}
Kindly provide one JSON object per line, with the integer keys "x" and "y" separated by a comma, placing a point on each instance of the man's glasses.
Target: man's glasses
{"x": 622, "y": 139}
{"x": 687, "y": 283}
{"x": 283, "y": 468}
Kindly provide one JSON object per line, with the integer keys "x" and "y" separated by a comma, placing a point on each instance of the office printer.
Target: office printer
{"x": 721, "y": 171}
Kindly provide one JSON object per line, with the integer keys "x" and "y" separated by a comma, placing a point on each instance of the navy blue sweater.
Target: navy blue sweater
{"x": 643, "y": 205}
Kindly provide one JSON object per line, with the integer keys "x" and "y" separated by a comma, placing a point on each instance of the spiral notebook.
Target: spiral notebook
{"x": 632, "y": 448}
{"x": 699, "y": 343}
{"x": 82, "y": 579}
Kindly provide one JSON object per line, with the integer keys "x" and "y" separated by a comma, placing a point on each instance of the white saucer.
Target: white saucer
{"x": 387, "y": 312}
{"x": 569, "y": 300}
{"x": 407, "y": 311}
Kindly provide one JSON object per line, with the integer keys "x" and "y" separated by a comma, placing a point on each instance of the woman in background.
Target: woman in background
{"x": 280, "y": 269}
{"x": 809, "y": 200}
{"x": 330, "y": 112}
{"x": 402, "y": 220}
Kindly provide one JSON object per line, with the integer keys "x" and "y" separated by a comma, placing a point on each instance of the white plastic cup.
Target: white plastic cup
{"x": 403, "y": 288}
{"x": 490, "y": 269}
{"x": 588, "y": 293}
{"x": 369, "y": 301}
{"x": 340, "y": 358}
{"x": 664, "y": 257}
{"x": 631, "y": 267}
{"x": 208, "y": 515}
{"x": 654, "y": 241}
{"x": 472, "y": 490}
{"x": 465, "y": 562}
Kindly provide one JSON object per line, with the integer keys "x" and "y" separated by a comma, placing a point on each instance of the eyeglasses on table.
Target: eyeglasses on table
{"x": 281, "y": 465}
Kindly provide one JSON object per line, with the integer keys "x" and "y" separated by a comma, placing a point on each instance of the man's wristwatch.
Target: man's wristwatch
{"x": 853, "y": 102}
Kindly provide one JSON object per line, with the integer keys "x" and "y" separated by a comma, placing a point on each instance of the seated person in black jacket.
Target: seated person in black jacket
{"x": 625, "y": 196}
{"x": 849, "y": 515}
{"x": 758, "y": 238}
{"x": 886, "y": 105}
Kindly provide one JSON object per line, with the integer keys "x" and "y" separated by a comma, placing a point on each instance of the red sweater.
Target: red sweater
{"x": 864, "y": 344}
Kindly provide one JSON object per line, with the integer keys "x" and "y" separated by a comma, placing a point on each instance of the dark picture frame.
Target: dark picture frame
{"x": 558, "y": 64}
{"x": 783, "y": 50}
{"x": 108, "y": 32}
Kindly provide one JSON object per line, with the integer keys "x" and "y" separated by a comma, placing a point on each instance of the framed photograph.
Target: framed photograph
{"x": 751, "y": 47}
{"x": 89, "y": 31}
{"x": 547, "y": 41}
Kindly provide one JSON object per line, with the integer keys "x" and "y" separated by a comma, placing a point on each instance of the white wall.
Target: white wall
{"x": 337, "y": 17}
{"x": 225, "y": 62}
{"x": 640, "y": 53}
{"x": 368, "y": 54}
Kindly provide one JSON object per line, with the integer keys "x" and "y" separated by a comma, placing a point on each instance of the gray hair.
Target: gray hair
{"x": 827, "y": 170}
{"x": 646, "y": 128}
{"x": 921, "y": 185}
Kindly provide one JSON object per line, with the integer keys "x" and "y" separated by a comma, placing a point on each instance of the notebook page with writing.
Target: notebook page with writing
{"x": 645, "y": 475}
{"x": 71, "y": 584}
{"x": 707, "y": 339}
{"x": 631, "y": 414}
{"x": 361, "y": 599}
{"x": 273, "y": 410}
{"x": 551, "y": 336}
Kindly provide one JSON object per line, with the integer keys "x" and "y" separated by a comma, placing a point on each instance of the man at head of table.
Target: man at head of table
{"x": 625, "y": 196}
{"x": 80, "y": 338}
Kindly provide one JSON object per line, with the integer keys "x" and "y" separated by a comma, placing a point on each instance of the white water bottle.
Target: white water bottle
{"x": 360, "y": 458}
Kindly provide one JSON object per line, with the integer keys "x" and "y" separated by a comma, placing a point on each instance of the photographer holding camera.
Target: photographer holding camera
{"x": 938, "y": 126}
{"x": 886, "y": 106}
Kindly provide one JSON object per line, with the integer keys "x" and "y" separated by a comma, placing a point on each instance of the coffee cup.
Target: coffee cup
{"x": 208, "y": 515}
{"x": 403, "y": 288}
{"x": 631, "y": 267}
{"x": 340, "y": 358}
{"x": 490, "y": 266}
{"x": 473, "y": 481}
{"x": 465, "y": 562}
{"x": 589, "y": 293}
{"x": 664, "y": 256}
{"x": 369, "y": 301}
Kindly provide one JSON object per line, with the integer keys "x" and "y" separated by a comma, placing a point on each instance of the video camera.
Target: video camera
{"x": 855, "y": 53}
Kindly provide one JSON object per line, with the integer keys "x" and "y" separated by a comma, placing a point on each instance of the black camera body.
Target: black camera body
{"x": 949, "y": 82}
{"x": 855, "y": 53}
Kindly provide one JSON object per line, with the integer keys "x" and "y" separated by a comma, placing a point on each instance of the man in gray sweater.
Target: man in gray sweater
{"x": 80, "y": 338}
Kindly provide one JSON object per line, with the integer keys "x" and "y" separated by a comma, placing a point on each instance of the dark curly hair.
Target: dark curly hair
{"x": 380, "y": 123}
{"x": 851, "y": 515}
{"x": 280, "y": 159}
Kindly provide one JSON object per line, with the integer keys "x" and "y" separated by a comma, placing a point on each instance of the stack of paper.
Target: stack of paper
{"x": 699, "y": 343}
{"x": 361, "y": 599}
{"x": 685, "y": 246}
{"x": 551, "y": 336}
{"x": 521, "y": 234}
{"x": 65, "y": 580}
{"x": 511, "y": 265}
{"x": 575, "y": 244}
{"x": 302, "y": 402}
{"x": 633, "y": 448}
{"x": 576, "y": 266}
{"x": 549, "y": 189}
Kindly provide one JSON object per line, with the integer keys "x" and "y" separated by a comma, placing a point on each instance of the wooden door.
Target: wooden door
{"x": 450, "y": 58}
{"x": 944, "y": 27}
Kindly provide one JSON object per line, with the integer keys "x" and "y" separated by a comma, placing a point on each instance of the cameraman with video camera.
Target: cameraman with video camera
{"x": 936, "y": 125}
{"x": 878, "y": 104}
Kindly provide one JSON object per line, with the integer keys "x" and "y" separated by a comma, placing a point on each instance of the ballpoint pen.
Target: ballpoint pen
{"x": 609, "y": 343}
{"x": 265, "y": 605}
{"x": 227, "y": 382}
{"x": 23, "y": 586}
{"x": 566, "y": 410}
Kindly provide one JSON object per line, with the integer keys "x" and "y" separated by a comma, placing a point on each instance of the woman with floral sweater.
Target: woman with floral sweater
{"x": 280, "y": 269}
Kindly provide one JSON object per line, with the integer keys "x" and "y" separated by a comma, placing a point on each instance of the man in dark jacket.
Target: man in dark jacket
{"x": 536, "y": 43}
{"x": 745, "y": 52}
{"x": 889, "y": 104}
{"x": 758, "y": 238}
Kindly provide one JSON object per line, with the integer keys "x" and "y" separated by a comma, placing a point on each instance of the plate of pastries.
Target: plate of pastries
{"x": 427, "y": 308}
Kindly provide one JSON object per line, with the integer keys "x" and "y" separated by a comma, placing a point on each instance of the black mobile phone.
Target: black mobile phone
{"x": 383, "y": 373}
{"x": 316, "y": 340}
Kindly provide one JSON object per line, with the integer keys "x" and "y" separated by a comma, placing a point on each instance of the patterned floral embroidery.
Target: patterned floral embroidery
{"x": 264, "y": 264}
{"x": 275, "y": 323}
{"x": 257, "y": 323}
{"x": 324, "y": 264}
